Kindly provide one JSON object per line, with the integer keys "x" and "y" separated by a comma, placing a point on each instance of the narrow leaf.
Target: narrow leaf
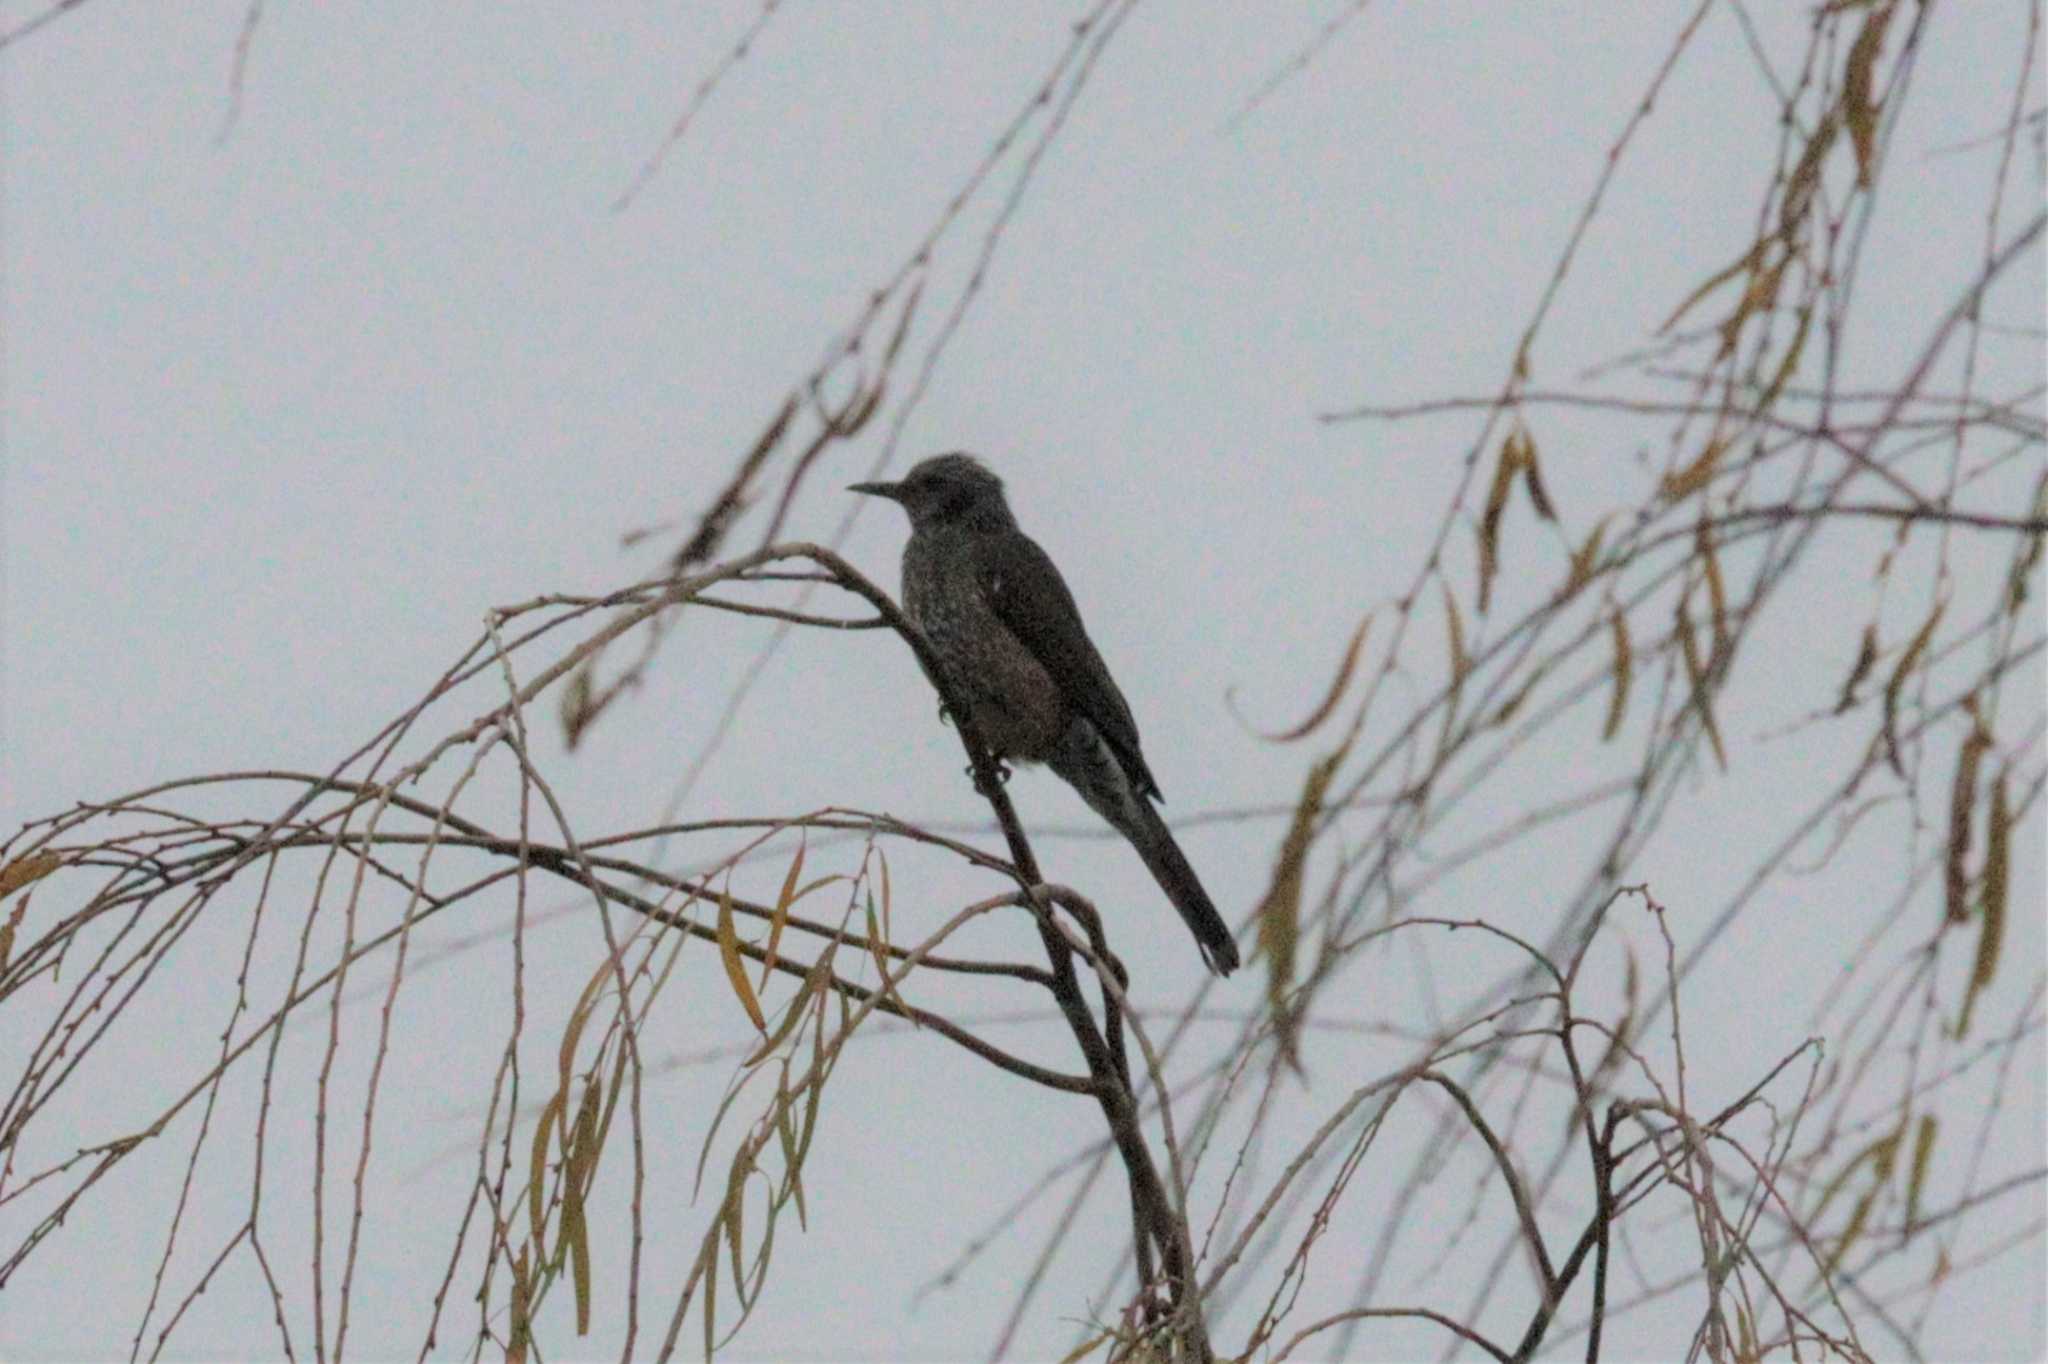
{"x": 1624, "y": 673}
{"x": 813, "y": 980}
{"x": 1335, "y": 692}
{"x": 1916, "y": 1179}
{"x": 1584, "y": 557}
{"x": 1532, "y": 480}
{"x": 537, "y": 1175}
{"x": 1997, "y": 870}
{"x": 1280, "y": 910}
{"x": 1682, "y": 483}
{"x": 1717, "y": 592}
{"x": 1860, "y": 108}
{"x": 729, "y": 952}
{"x": 1504, "y": 471}
{"x": 522, "y": 1309}
{"x": 1696, "y": 672}
{"x": 1962, "y": 804}
{"x": 1892, "y": 688}
{"x": 783, "y": 900}
{"x": 1461, "y": 663}
{"x": 27, "y": 870}
{"x": 1866, "y": 658}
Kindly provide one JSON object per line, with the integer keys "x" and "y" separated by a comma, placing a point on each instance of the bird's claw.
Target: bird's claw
{"x": 1002, "y": 777}
{"x": 945, "y": 715}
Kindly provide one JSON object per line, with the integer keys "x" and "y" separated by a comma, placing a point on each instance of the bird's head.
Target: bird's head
{"x": 945, "y": 490}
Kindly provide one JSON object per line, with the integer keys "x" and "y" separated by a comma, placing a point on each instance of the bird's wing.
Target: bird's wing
{"x": 1024, "y": 588}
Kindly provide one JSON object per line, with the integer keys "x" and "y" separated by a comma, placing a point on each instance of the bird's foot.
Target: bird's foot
{"x": 945, "y": 715}
{"x": 1002, "y": 777}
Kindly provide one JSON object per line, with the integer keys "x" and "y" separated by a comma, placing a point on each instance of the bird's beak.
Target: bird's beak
{"x": 892, "y": 491}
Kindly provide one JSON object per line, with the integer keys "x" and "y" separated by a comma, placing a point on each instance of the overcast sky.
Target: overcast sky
{"x": 292, "y": 400}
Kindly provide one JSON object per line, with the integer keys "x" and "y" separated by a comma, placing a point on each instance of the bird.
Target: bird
{"x": 1008, "y": 639}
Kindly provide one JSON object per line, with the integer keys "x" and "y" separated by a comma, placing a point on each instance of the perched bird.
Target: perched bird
{"x": 1010, "y": 642}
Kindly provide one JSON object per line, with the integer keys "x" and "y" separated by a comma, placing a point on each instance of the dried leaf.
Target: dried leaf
{"x": 537, "y": 1174}
{"x": 735, "y": 1228}
{"x": 1759, "y": 296}
{"x": 1461, "y": 662}
{"x": 1742, "y": 264}
{"x": 1680, "y": 484}
{"x": 1532, "y": 480}
{"x": 1805, "y": 178}
{"x": 878, "y": 949}
{"x": 1860, "y": 108}
{"x": 1880, "y": 1155}
{"x": 1624, "y": 673}
{"x": 814, "y": 980}
{"x": 1697, "y": 673}
{"x": 27, "y": 870}
{"x": 577, "y": 709}
{"x": 1790, "y": 363}
{"x": 1866, "y": 658}
{"x": 7, "y": 932}
{"x": 1962, "y": 804}
{"x": 1584, "y": 557}
{"x": 1280, "y": 910}
{"x": 1907, "y": 662}
{"x": 1504, "y": 471}
{"x": 1916, "y": 1178}
{"x": 783, "y": 900}
{"x": 521, "y": 1336}
{"x": 579, "y": 1170}
{"x": 1717, "y": 593}
{"x": 1087, "y": 1347}
{"x": 1335, "y": 693}
{"x": 1997, "y": 870}
{"x": 735, "y": 971}
{"x": 2023, "y": 562}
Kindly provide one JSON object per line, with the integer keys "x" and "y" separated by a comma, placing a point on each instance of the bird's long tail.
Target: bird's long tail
{"x": 1088, "y": 765}
{"x": 1169, "y": 866}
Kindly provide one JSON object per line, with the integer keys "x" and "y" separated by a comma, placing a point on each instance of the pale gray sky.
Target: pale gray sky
{"x": 286, "y": 410}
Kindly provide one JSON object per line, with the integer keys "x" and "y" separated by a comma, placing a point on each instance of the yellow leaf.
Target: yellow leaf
{"x": 537, "y": 1174}
{"x": 1742, "y": 264}
{"x": 1461, "y": 663}
{"x": 878, "y": 949}
{"x": 1866, "y": 658}
{"x": 1923, "y": 1152}
{"x": 1717, "y": 594}
{"x": 1907, "y": 662}
{"x": 1860, "y": 108}
{"x": 577, "y": 710}
{"x": 522, "y": 1309}
{"x": 1962, "y": 804}
{"x": 27, "y": 870}
{"x": 1997, "y": 870}
{"x": 1696, "y": 671}
{"x": 1280, "y": 910}
{"x": 729, "y": 952}
{"x": 1504, "y": 471}
{"x": 783, "y": 900}
{"x": 1790, "y": 364}
{"x": 1532, "y": 479}
{"x": 2023, "y": 562}
{"x": 1680, "y": 484}
{"x": 813, "y": 981}
{"x": 1624, "y": 673}
{"x": 1584, "y": 557}
{"x": 1805, "y": 178}
{"x": 1330, "y": 698}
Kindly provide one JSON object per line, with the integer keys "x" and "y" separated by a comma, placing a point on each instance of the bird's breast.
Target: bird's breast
{"x": 1018, "y": 706}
